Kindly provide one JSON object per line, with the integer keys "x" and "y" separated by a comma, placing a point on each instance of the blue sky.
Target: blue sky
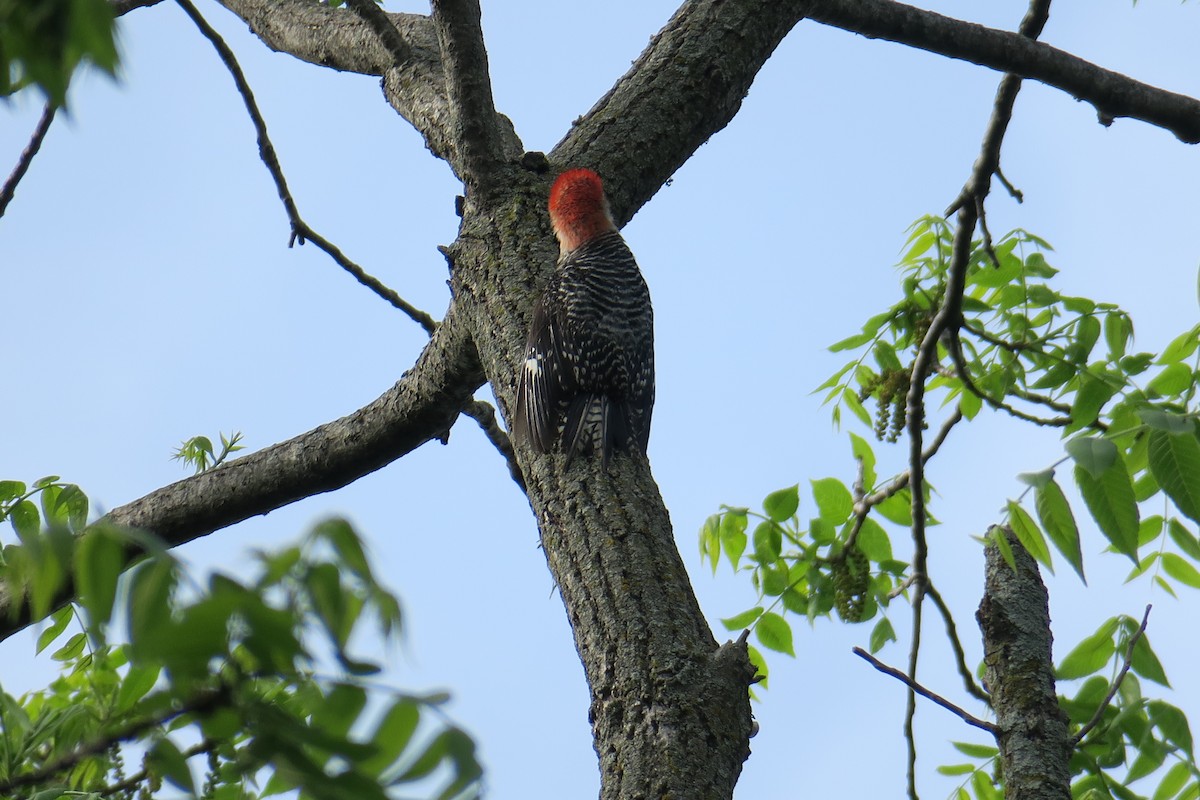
{"x": 149, "y": 296}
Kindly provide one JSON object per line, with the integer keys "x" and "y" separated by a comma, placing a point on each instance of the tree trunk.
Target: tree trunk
{"x": 1014, "y": 616}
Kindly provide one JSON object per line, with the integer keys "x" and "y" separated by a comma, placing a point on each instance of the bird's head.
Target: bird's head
{"x": 578, "y": 208}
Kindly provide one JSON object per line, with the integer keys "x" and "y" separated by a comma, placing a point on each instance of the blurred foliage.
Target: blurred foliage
{"x": 1128, "y": 420}
{"x": 42, "y": 42}
{"x": 217, "y": 690}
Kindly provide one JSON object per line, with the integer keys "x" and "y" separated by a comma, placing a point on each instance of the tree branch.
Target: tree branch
{"x": 684, "y": 87}
{"x": 421, "y": 406}
{"x": 35, "y": 143}
{"x": 1014, "y": 616}
{"x": 960, "y": 657}
{"x": 1112, "y": 94}
{"x": 1116, "y": 684}
{"x": 266, "y": 151}
{"x": 481, "y": 143}
{"x": 966, "y": 717}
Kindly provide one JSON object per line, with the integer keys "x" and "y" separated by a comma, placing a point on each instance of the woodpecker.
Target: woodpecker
{"x": 587, "y": 381}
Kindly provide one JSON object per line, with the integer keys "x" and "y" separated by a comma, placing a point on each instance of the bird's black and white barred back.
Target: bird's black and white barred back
{"x": 586, "y": 383}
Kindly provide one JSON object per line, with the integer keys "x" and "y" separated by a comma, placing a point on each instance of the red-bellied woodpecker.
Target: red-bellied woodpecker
{"x": 587, "y": 382}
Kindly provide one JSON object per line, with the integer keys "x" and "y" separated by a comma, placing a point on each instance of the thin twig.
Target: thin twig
{"x": 960, "y": 655}
{"x": 1116, "y": 685}
{"x": 965, "y": 716}
{"x": 863, "y": 503}
{"x": 35, "y": 143}
{"x": 300, "y": 230}
{"x": 964, "y": 375}
{"x": 485, "y": 415}
{"x": 948, "y": 320}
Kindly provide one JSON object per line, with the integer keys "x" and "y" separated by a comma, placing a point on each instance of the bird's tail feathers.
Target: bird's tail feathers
{"x": 595, "y": 422}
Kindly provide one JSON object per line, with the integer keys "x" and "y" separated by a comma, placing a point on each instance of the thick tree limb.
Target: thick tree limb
{"x": 340, "y": 39}
{"x": 421, "y": 406}
{"x": 1035, "y": 744}
{"x": 1112, "y": 94}
{"x": 480, "y": 141}
{"x": 687, "y": 85}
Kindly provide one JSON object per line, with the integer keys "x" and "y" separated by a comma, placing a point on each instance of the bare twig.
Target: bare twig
{"x": 1116, "y": 684}
{"x": 469, "y": 87}
{"x": 863, "y": 503}
{"x": 948, "y": 320}
{"x": 485, "y": 415}
{"x": 921, "y": 690}
{"x": 35, "y": 143}
{"x": 960, "y": 657}
{"x": 300, "y": 230}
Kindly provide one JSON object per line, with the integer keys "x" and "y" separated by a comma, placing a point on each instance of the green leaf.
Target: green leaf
{"x": 166, "y": 760}
{"x": 392, "y": 735}
{"x": 58, "y": 624}
{"x": 710, "y": 540}
{"x": 1172, "y": 781}
{"x": 1091, "y": 655}
{"x": 740, "y": 622}
{"x": 733, "y": 540}
{"x": 1091, "y": 396}
{"x": 775, "y": 633}
{"x": 1173, "y": 724}
{"x": 873, "y": 541}
{"x": 137, "y": 683}
{"x": 1144, "y": 662}
{"x": 72, "y": 649}
{"x": 981, "y": 751}
{"x": 1093, "y": 453}
{"x": 1037, "y": 479}
{"x": 1111, "y": 501}
{"x": 346, "y": 543}
{"x": 759, "y": 663}
{"x": 881, "y": 634}
{"x": 1173, "y": 380}
{"x": 782, "y": 504}
{"x": 861, "y": 449}
{"x": 1029, "y": 534}
{"x": 11, "y": 490}
{"x": 834, "y": 500}
{"x": 1056, "y": 517}
{"x": 1166, "y": 421}
{"x": 26, "y": 520}
{"x": 1180, "y": 570}
{"x": 1180, "y": 347}
{"x": 1175, "y": 463}
{"x": 1118, "y": 331}
{"x": 956, "y": 769}
{"x": 149, "y": 604}
{"x": 768, "y": 542}
{"x": 1184, "y": 539}
{"x": 897, "y": 509}
{"x": 99, "y": 559}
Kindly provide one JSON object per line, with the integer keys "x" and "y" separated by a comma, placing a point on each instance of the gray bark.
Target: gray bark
{"x": 669, "y": 707}
{"x": 1035, "y": 745}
